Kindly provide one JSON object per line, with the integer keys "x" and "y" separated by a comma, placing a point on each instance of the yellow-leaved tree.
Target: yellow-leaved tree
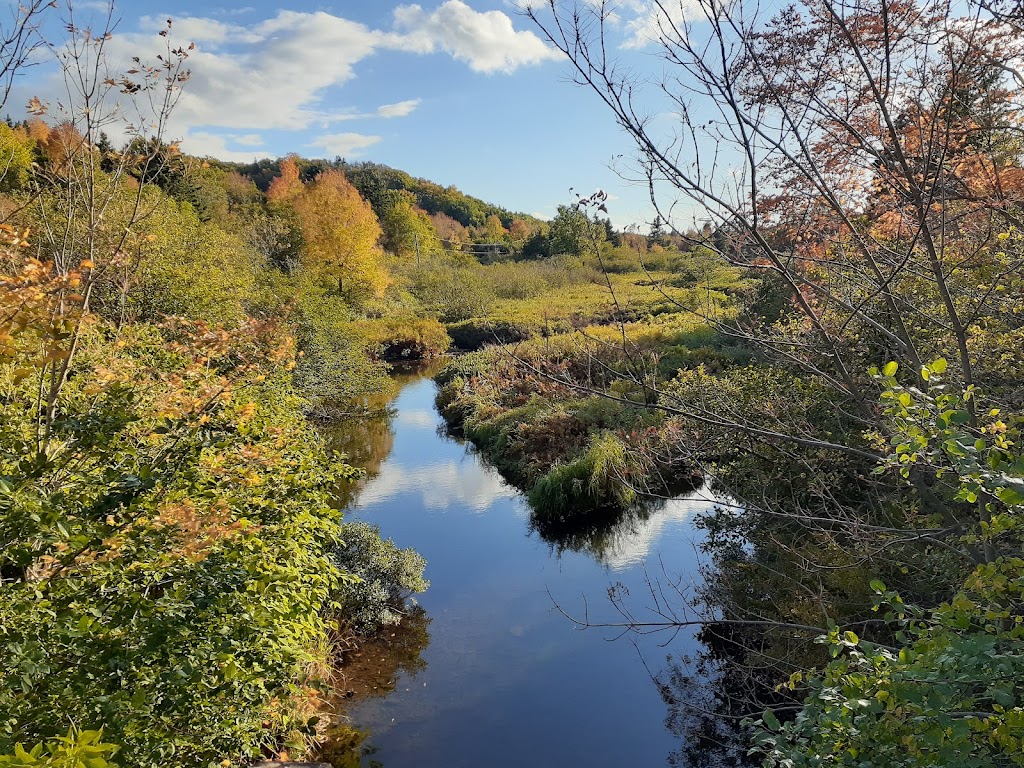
{"x": 341, "y": 238}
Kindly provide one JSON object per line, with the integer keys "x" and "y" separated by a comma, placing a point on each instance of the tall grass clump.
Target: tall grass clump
{"x": 604, "y": 475}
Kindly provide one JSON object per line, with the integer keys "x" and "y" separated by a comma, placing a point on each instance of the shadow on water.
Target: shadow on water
{"x": 489, "y": 671}
{"x": 372, "y": 669}
{"x": 699, "y": 715}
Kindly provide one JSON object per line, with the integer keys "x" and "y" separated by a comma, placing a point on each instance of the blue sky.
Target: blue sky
{"x": 462, "y": 92}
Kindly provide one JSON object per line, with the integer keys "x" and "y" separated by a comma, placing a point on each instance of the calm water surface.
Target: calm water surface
{"x": 502, "y": 678}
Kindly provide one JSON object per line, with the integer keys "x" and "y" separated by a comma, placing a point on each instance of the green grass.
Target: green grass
{"x": 578, "y": 454}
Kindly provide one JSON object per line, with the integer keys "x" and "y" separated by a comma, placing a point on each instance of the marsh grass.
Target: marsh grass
{"x": 557, "y": 398}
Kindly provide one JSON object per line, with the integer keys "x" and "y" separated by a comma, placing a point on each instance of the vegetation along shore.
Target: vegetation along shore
{"x": 820, "y": 327}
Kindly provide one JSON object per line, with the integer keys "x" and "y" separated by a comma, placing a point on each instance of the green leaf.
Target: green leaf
{"x": 890, "y": 368}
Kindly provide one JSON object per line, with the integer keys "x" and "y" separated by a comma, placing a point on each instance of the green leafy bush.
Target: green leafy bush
{"x": 337, "y": 367}
{"x": 387, "y": 577}
{"x": 404, "y": 338}
{"x": 78, "y": 749}
{"x": 947, "y": 690}
{"x": 471, "y": 335}
{"x": 165, "y": 541}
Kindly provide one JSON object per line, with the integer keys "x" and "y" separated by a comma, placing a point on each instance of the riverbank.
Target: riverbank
{"x": 569, "y": 413}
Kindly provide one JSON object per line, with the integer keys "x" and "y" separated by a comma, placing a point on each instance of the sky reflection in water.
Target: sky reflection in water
{"x": 508, "y": 680}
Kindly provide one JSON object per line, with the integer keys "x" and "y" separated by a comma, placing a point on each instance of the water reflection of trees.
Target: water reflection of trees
{"x": 732, "y": 676}
{"x": 371, "y": 668}
{"x": 366, "y": 436}
{"x": 598, "y": 534}
{"x": 756, "y": 571}
{"x": 366, "y": 441}
{"x": 698, "y": 715}
{"x": 735, "y": 671}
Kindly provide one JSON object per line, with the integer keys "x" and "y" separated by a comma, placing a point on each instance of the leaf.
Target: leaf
{"x": 36, "y": 107}
{"x": 890, "y": 368}
{"x": 770, "y": 720}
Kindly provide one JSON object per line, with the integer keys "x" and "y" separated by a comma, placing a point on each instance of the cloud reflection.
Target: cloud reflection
{"x": 632, "y": 544}
{"x": 416, "y": 419}
{"x": 443, "y": 485}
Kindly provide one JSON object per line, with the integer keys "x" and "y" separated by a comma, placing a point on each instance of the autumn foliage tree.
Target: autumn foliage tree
{"x": 341, "y": 236}
{"x": 873, "y": 179}
{"x": 286, "y": 185}
{"x": 450, "y": 231}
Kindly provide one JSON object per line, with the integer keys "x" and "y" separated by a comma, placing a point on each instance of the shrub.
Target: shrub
{"x": 15, "y": 158}
{"x": 166, "y": 568}
{"x": 471, "y": 335}
{"x": 387, "y": 577}
{"x": 78, "y": 749}
{"x": 337, "y": 365}
{"x": 450, "y": 292}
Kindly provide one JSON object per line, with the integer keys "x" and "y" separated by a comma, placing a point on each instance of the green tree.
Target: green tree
{"x": 408, "y": 231}
{"x": 16, "y": 155}
{"x": 572, "y": 231}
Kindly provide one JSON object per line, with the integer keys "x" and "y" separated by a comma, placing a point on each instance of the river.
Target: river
{"x": 492, "y": 673}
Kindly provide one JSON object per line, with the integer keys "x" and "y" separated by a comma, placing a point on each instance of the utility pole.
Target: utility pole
{"x": 416, "y": 242}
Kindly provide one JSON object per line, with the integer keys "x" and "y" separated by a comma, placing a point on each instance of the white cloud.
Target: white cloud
{"x": 343, "y": 144}
{"x": 233, "y": 11}
{"x": 439, "y": 486}
{"x": 269, "y": 75}
{"x": 401, "y": 109}
{"x": 385, "y": 111}
{"x": 206, "y": 144}
{"x": 279, "y": 73}
{"x": 248, "y": 140}
{"x": 486, "y": 41}
{"x": 206, "y": 33}
{"x": 654, "y": 21}
{"x": 632, "y": 543}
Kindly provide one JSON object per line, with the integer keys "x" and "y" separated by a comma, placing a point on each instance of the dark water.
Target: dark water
{"x": 492, "y": 674}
